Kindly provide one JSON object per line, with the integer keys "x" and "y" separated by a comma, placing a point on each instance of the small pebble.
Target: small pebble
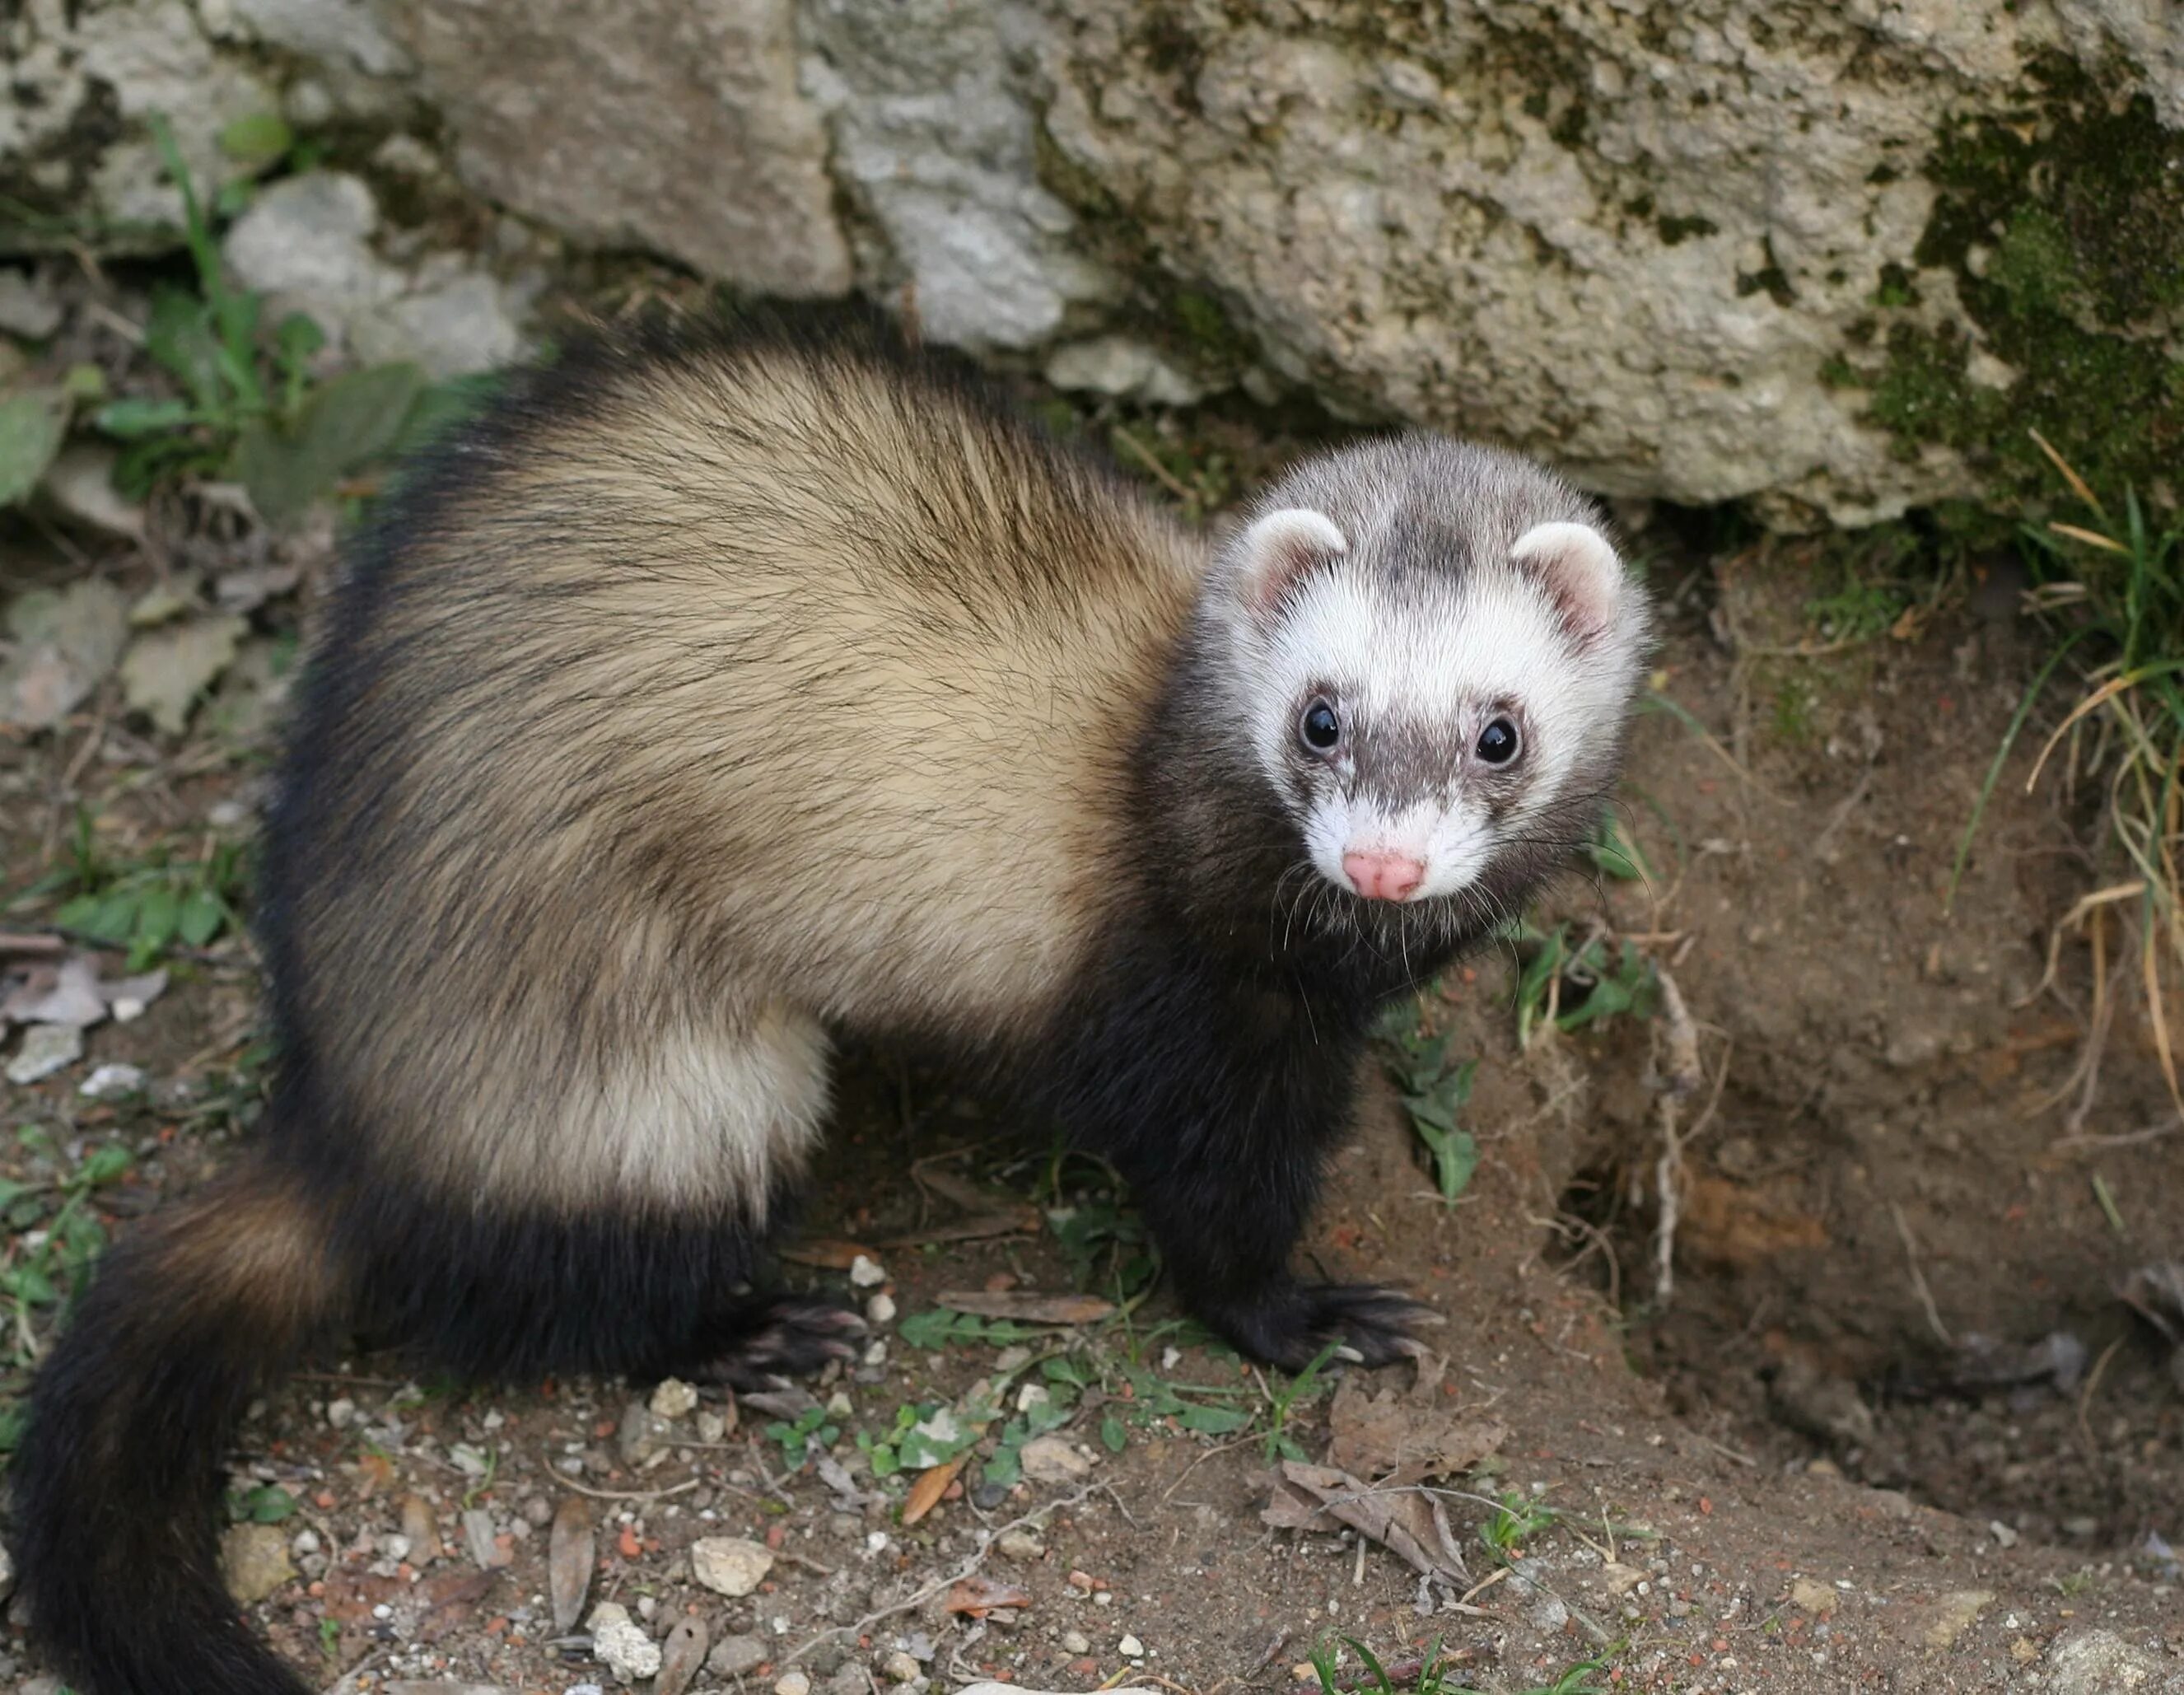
{"x": 731, "y": 1566}
{"x": 711, "y": 1427}
{"x": 1049, "y": 1459}
{"x": 898, "y": 1667}
{"x": 795, "y": 1683}
{"x": 674, "y": 1399}
{"x": 733, "y": 1656}
{"x": 341, "y": 1413}
{"x": 46, "y": 1049}
{"x": 111, "y": 1079}
{"x": 620, "y": 1645}
{"x": 1076, "y": 1641}
{"x": 1020, "y": 1545}
{"x": 478, "y": 1540}
{"x": 880, "y": 1309}
{"x": 866, "y": 1272}
{"x": 1131, "y": 1648}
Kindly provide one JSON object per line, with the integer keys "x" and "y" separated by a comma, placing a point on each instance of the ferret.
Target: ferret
{"x": 734, "y": 684}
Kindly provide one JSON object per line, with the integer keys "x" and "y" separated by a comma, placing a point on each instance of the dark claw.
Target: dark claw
{"x": 788, "y": 1337}
{"x": 1291, "y": 1325}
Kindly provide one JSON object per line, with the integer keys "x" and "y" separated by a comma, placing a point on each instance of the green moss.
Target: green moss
{"x": 2064, "y": 223}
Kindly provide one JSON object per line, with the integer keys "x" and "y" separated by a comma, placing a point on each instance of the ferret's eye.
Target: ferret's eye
{"x": 1497, "y": 742}
{"x": 1320, "y": 728}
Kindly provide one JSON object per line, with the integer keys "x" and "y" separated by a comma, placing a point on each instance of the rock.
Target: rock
{"x": 792, "y": 1683}
{"x": 729, "y": 1565}
{"x": 7, "y": 1573}
{"x": 643, "y": 1433}
{"x": 672, "y": 1398}
{"x": 1049, "y": 1459}
{"x": 1820, "y": 1599}
{"x": 110, "y": 1081}
{"x": 682, "y": 1657}
{"x": 1950, "y": 1616}
{"x": 1125, "y": 368}
{"x": 165, "y": 670}
{"x": 80, "y": 484}
{"x": 712, "y": 1427}
{"x": 46, "y": 1049}
{"x": 2100, "y": 1662}
{"x": 341, "y": 32}
{"x": 1020, "y": 1545}
{"x": 733, "y": 1656}
{"x": 451, "y": 330}
{"x": 867, "y": 1273}
{"x": 255, "y": 1561}
{"x": 899, "y": 1667}
{"x": 1619, "y": 1578}
{"x": 1076, "y": 1641}
{"x": 480, "y": 1542}
{"x": 306, "y": 243}
{"x": 65, "y": 644}
{"x": 880, "y": 1310}
{"x": 620, "y": 1645}
{"x": 1130, "y": 1649}
{"x": 603, "y": 141}
{"x": 26, "y": 308}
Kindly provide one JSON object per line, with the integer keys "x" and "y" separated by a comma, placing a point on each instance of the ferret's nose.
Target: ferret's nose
{"x": 1381, "y": 876}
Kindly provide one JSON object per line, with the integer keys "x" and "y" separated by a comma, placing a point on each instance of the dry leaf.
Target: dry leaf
{"x": 681, "y": 1656}
{"x": 451, "y": 1601}
{"x": 1028, "y": 1308}
{"x": 571, "y": 1552}
{"x": 376, "y": 1472}
{"x": 827, "y": 1253}
{"x": 932, "y": 1484}
{"x": 1409, "y": 1522}
{"x": 979, "y": 1596}
{"x": 1402, "y": 1439}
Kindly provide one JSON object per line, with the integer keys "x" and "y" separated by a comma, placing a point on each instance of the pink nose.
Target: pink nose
{"x": 1383, "y": 876}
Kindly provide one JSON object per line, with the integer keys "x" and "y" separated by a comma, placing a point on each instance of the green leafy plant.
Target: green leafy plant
{"x": 1573, "y": 984}
{"x": 1517, "y": 1518}
{"x": 266, "y": 1504}
{"x": 808, "y": 1435}
{"x": 941, "y": 1328}
{"x": 53, "y": 1234}
{"x": 155, "y": 904}
{"x": 1284, "y": 1401}
{"x": 1431, "y": 1675}
{"x": 1434, "y": 1092}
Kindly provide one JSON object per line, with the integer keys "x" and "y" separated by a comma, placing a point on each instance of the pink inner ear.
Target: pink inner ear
{"x": 1575, "y": 564}
{"x": 1277, "y": 550}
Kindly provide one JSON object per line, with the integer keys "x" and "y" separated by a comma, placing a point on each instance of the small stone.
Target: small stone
{"x": 304, "y": 1542}
{"x": 643, "y": 1433}
{"x": 619, "y": 1644}
{"x": 26, "y": 310}
{"x": 729, "y": 1565}
{"x": 673, "y": 1398}
{"x": 455, "y": 329}
{"x": 1049, "y": 1459}
{"x": 733, "y": 1656}
{"x": 341, "y": 1413}
{"x": 851, "y": 1679}
{"x": 6, "y": 1574}
{"x": 107, "y": 1081}
{"x": 794, "y": 1683}
{"x": 255, "y": 1560}
{"x": 1076, "y": 1641}
{"x": 899, "y": 1668}
{"x": 880, "y": 1309}
{"x": 80, "y": 482}
{"x": 867, "y": 1273}
{"x": 1621, "y": 1579}
{"x": 1119, "y": 366}
{"x": 1953, "y": 1615}
{"x": 711, "y": 1427}
{"x": 537, "y": 1511}
{"x": 1820, "y": 1599}
{"x": 2101, "y": 1662}
{"x": 1131, "y": 1648}
{"x": 306, "y": 240}
{"x": 1020, "y": 1545}
{"x": 2004, "y": 1535}
{"x": 2025, "y": 1651}
{"x": 478, "y": 1539}
{"x": 46, "y": 1049}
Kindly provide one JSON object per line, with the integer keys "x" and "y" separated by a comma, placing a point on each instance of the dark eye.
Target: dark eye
{"x": 1320, "y": 727}
{"x": 1497, "y": 742}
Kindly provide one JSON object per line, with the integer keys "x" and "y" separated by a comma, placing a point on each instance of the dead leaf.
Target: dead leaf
{"x": 1400, "y": 1440}
{"x": 979, "y": 1596}
{"x": 65, "y": 644}
{"x": 572, "y": 1551}
{"x": 681, "y": 1656}
{"x": 376, "y": 1472}
{"x": 932, "y": 1484}
{"x": 1028, "y": 1308}
{"x": 828, "y": 1253}
{"x": 1410, "y": 1522}
{"x": 165, "y": 670}
{"x": 451, "y": 1601}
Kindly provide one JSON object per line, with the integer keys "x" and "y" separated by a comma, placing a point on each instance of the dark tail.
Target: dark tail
{"x": 117, "y": 1486}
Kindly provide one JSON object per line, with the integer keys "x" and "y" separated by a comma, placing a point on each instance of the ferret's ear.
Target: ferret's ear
{"x": 1579, "y": 569}
{"x": 1278, "y": 549}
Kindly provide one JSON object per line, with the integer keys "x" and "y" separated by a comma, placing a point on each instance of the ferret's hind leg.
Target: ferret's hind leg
{"x": 760, "y": 1340}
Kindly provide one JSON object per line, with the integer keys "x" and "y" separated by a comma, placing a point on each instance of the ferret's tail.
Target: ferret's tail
{"x": 117, "y": 1487}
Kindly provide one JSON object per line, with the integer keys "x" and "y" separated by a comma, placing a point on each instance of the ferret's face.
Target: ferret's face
{"x": 1431, "y": 689}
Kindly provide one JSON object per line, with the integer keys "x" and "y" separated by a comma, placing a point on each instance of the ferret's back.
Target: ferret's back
{"x": 793, "y": 657}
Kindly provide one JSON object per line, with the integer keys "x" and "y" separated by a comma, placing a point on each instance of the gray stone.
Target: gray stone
{"x": 1126, "y": 369}
{"x": 306, "y": 242}
{"x": 46, "y": 1049}
{"x": 2102, "y": 1663}
{"x": 341, "y": 31}
{"x": 453, "y": 330}
{"x": 733, "y": 1656}
{"x": 255, "y": 1560}
{"x": 1049, "y": 1459}
{"x": 26, "y": 310}
{"x": 730, "y": 1565}
{"x": 620, "y": 1644}
{"x": 643, "y": 1434}
{"x": 681, "y": 129}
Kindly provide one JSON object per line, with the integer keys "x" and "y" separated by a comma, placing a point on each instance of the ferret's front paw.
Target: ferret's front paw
{"x": 1292, "y": 1324}
{"x": 787, "y": 1337}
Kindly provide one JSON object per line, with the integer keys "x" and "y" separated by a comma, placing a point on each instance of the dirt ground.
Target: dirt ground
{"x": 1892, "y": 1427}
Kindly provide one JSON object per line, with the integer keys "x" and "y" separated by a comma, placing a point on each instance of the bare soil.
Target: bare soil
{"x": 1799, "y": 1471}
